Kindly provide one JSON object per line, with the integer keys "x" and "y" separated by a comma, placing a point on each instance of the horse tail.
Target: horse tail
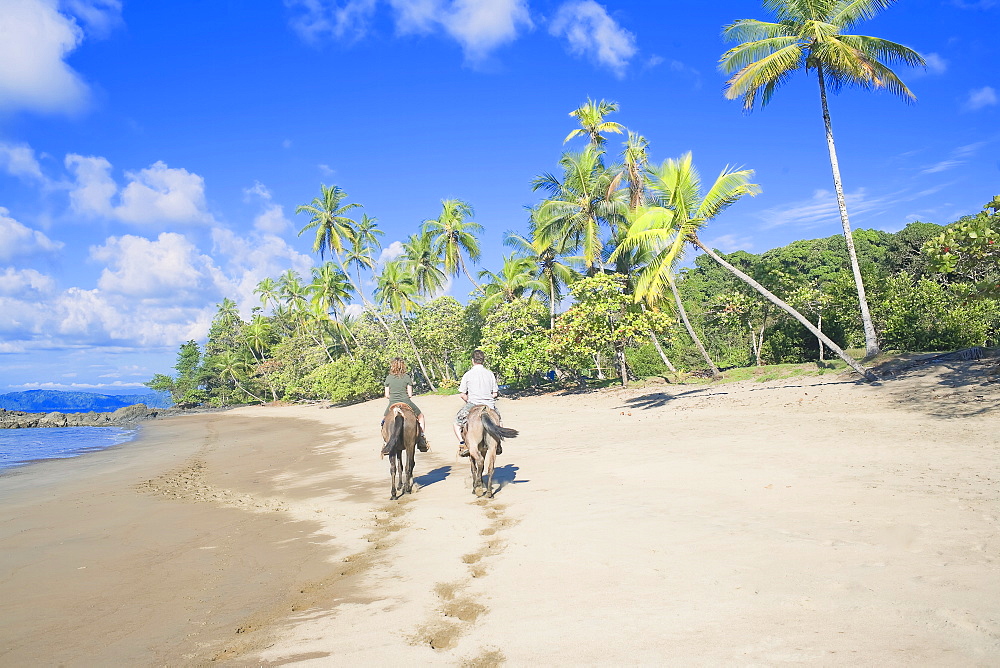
{"x": 396, "y": 437}
{"x": 495, "y": 430}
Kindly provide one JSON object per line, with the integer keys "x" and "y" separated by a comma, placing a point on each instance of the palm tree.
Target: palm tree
{"x": 516, "y": 280}
{"x": 665, "y": 231}
{"x": 267, "y": 290}
{"x": 550, "y": 259}
{"x": 591, "y": 117}
{"x": 580, "y": 204}
{"x": 453, "y": 234}
{"x": 231, "y": 364}
{"x": 397, "y": 291}
{"x": 293, "y": 294}
{"x": 363, "y": 244}
{"x": 328, "y": 220}
{"x": 810, "y": 35}
{"x": 422, "y": 259}
{"x": 635, "y": 160}
{"x": 330, "y": 289}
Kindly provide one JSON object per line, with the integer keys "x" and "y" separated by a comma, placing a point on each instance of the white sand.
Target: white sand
{"x": 808, "y": 521}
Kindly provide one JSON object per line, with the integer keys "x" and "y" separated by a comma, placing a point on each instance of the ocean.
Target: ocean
{"x": 22, "y": 446}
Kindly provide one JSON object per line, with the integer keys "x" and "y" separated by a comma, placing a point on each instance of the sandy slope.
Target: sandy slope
{"x": 806, "y": 521}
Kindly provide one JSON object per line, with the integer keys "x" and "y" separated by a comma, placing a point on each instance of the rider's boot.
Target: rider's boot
{"x": 421, "y": 441}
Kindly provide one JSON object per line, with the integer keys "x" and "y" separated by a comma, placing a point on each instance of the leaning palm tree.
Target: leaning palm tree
{"x": 397, "y": 291}
{"x": 423, "y": 261}
{"x": 591, "y": 117}
{"x": 516, "y": 280}
{"x": 293, "y": 294}
{"x": 665, "y": 231}
{"x": 232, "y": 365}
{"x": 454, "y": 235}
{"x": 810, "y": 35}
{"x": 580, "y": 204}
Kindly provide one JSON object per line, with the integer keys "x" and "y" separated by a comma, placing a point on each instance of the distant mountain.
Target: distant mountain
{"x": 47, "y": 401}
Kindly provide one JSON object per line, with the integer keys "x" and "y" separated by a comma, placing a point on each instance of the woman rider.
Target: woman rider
{"x": 399, "y": 389}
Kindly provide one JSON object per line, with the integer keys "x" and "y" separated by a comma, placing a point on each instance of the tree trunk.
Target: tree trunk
{"x": 690, "y": 330}
{"x": 461, "y": 262}
{"x": 622, "y": 366}
{"x": 243, "y": 389}
{"x": 357, "y": 289}
{"x": 865, "y": 373}
{"x": 552, "y": 301}
{"x": 656, "y": 344}
{"x": 402, "y": 321}
{"x": 871, "y": 340}
{"x": 819, "y": 326}
{"x": 760, "y": 340}
{"x": 597, "y": 363}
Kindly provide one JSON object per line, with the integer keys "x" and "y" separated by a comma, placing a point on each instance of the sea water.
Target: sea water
{"x": 21, "y": 446}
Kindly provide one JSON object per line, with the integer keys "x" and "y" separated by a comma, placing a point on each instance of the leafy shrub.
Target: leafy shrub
{"x": 345, "y": 379}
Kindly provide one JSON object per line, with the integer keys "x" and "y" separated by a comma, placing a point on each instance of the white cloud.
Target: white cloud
{"x": 935, "y": 64}
{"x": 479, "y": 26}
{"x": 822, "y": 209}
{"x": 36, "y": 38}
{"x": 19, "y": 160}
{"x": 168, "y": 268}
{"x": 252, "y": 259}
{"x": 272, "y": 219}
{"x": 391, "y": 252}
{"x": 317, "y": 19}
{"x": 958, "y": 157}
{"x": 591, "y": 32}
{"x": 19, "y": 240}
{"x": 99, "y": 16}
{"x": 981, "y": 97}
{"x": 157, "y": 194}
{"x": 14, "y": 282}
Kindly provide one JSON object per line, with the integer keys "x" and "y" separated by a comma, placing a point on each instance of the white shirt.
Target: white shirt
{"x": 480, "y": 385}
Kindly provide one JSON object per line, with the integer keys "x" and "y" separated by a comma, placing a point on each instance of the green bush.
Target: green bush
{"x": 645, "y": 361}
{"x": 345, "y": 379}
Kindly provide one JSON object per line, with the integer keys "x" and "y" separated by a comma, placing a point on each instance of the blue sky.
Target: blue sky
{"x": 152, "y": 154}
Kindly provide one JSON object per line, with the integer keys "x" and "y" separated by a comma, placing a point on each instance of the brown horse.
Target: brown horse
{"x": 483, "y": 434}
{"x": 399, "y": 431}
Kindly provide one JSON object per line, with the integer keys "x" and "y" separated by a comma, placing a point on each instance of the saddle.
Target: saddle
{"x": 399, "y": 406}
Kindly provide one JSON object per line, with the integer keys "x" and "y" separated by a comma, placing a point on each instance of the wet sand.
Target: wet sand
{"x": 813, "y": 520}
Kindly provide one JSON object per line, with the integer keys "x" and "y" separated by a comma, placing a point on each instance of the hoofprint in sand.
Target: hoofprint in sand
{"x": 810, "y": 520}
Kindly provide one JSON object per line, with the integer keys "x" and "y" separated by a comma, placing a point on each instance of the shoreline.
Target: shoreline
{"x": 810, "y": 520}
{"x": 148, "y": 566}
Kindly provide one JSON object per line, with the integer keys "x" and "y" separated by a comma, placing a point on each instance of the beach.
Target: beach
{"x": 811, "y": 520}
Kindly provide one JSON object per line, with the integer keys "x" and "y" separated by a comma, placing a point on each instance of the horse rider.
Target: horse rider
{"x": 478, "y": 388}
{"x": 399, "y": 389}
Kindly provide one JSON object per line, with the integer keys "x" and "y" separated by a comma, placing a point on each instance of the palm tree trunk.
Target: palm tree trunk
{"x": 871, "y": 340}
{"x": 461, "y": 263}
{"x": 786, "y": 308}
{"x": 690, "y": 330}
{"x": 819, "y": 326}
{"x": 357, "y": 289}
{"x": 243, "y": 389}
{"x": 656, "y": 344}
{"x": 552, "y": 301}
{"x": 402, "y": 321}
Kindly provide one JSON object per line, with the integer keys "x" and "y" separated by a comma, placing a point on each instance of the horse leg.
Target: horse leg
{"x": 491, "y": 457}
{"x": 409, "y": 469}
{"x": 392, "y": 475}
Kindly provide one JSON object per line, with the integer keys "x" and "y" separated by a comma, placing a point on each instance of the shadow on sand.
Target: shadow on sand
{"x": 431, "y": 477}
